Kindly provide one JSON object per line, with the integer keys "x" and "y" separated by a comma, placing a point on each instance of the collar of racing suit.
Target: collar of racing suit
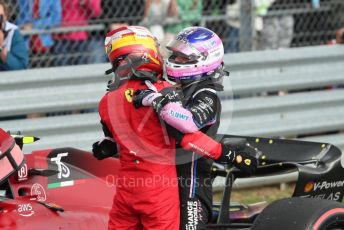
{"x": 116, "y": 82}
{"x": 190, "y": 89}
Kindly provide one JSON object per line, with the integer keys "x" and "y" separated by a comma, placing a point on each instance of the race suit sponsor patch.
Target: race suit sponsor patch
{"x": 192, "y": 207}
{"x": 199, "y": 149}
{"x": 178, "y": 115}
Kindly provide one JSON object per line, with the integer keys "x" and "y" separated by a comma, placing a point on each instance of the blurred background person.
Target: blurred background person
{"x": 39, "y": 15}
{"x": 277, "y": 31}
{"x": 340, "y": 36}
{"x": 231, "y": 42}
{"x": 189, "y": 13}
{"x": 75, "y": 48}
{"x": 13, "y": 52}
{"x": 13, "y": 9}
{"x": 215, "y": 10}
{"x": 314, "y": 24}
{"x": 157, "y": 15}
{"x": 120, "y": 13}
{"x": 115, "y": 14}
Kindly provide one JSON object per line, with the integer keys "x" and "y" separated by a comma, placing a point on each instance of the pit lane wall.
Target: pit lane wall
{"x": 294, "y": 93}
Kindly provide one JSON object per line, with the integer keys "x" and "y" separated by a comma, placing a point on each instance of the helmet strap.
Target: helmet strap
{"x": 222, "y": 72}
{"x": 188, "y": 85}
{"x": 115, "y": 83}
{"x": 216, "y": 77}
{"x": 153, "y": 77}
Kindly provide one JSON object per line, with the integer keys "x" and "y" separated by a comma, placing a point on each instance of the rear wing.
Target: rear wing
{"x": 320, "y": 165}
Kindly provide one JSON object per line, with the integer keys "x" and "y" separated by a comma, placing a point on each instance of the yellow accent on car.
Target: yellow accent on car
{"x": 247, "y": 161}
{"x": 28, "y": 140}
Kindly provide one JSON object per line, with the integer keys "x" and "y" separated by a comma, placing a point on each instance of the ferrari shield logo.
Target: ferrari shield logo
{"x": 129, "y": 95}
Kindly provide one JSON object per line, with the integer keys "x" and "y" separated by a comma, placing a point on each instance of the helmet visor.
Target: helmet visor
{"x": 181, "y": 48}
{"x": 133, "y": 65}
{"x": 179, "y": 58}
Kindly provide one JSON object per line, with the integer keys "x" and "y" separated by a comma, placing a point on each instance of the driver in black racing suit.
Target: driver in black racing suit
{"x": 196, "y": 65}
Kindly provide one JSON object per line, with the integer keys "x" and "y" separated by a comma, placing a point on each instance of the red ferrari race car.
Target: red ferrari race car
{"x": 68, "y": 188}
{"x": 54, "y": 188}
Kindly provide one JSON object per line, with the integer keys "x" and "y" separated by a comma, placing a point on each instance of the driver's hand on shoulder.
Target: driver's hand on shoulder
{"x": 144, "y": 97}
{"x": 172, "y": 94}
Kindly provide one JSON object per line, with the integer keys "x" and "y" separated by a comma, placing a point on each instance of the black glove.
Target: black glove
{"x": 159, "y": 103}
{"x": 169, "y": 94}
{"x": 172, "y": 94}
{"x": 104, "y": 149}
{"x": 139, "y": 95}
{"x": 240, "y": 159}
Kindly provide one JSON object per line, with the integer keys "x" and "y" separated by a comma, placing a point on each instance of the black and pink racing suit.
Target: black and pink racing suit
{"x": 200, "y": 110}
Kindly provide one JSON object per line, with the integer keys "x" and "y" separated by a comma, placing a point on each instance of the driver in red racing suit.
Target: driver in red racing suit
{"x": 147, "y": 192}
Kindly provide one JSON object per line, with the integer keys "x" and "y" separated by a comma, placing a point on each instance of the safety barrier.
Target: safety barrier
{"x": 310, "y": 79}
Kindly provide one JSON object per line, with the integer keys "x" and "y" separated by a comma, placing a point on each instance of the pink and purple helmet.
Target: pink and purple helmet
{"x": 197, "y": 53}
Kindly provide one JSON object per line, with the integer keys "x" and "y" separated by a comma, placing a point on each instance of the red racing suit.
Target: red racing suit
{"x": 147, "y": 186}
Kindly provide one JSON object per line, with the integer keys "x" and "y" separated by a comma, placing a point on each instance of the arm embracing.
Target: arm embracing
{"x": 201, "y": 111}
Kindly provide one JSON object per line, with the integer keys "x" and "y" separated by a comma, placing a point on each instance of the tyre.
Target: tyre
{"x": 301, "y": 214}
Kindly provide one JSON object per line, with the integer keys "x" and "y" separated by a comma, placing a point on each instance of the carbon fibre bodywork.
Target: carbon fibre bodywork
{"x": 319, "y": 165}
